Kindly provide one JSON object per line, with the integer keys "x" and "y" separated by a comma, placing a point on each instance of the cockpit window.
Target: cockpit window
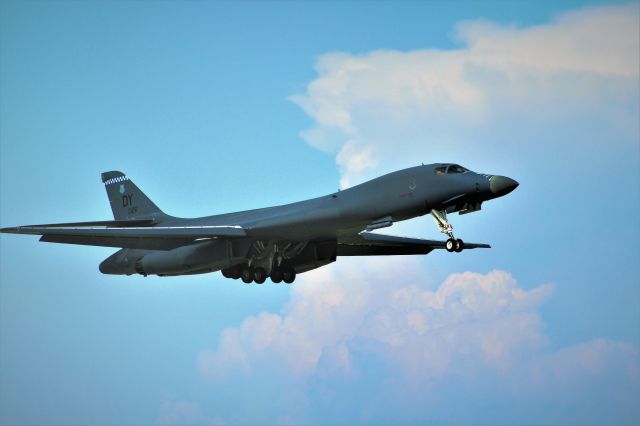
{"x": 440, "y": 170}
{"x": 454, "y": 168}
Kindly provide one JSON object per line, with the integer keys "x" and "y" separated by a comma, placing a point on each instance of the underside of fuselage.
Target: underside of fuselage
{"x": 251, "y": 260}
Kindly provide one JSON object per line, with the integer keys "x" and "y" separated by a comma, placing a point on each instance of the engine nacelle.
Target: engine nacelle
{"x": 207, "y": 256}
{"x": 199, "y": 257}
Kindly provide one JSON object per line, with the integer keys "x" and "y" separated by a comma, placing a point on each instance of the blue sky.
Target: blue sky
{"x": 213, "y": 107}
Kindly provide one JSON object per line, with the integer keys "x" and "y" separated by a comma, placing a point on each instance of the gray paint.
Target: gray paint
{"x": 300, "y": 236}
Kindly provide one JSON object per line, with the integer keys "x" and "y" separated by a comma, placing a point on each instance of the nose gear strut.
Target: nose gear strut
{"x": 452, "y": 244}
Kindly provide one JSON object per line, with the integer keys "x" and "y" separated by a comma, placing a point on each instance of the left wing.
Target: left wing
{"x": 126, "y": 234}
{"x": 370, "y": 244}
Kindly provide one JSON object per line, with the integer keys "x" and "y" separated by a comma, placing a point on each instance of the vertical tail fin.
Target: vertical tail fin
{"x": 126, "y": 199}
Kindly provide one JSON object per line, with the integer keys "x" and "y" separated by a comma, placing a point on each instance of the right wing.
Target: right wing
{"x": 126, "y": 234}
{"x": 370, "y": 244}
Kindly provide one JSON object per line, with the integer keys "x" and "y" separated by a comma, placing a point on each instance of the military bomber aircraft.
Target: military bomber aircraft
{"x": 283, "y": 241}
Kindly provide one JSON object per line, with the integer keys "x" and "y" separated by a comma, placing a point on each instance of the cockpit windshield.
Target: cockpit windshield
{"x": 451, "y": 168}
{"x": 454, "y": 168}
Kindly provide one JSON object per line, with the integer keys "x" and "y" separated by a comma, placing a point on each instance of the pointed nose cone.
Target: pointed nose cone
{"x": 501, "y": 185}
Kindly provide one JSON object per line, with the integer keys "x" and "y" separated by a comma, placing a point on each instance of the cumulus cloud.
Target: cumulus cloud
{"x": 476, "y": 333}
{"x": 358, "y": 344}
{"x": 380, "y": 109}
{"x": 421, "y": 330}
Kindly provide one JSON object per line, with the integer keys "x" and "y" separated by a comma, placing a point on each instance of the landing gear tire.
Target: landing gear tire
{"x": 289, "y": 275}
{"x": 277, "y": 276}
{"x": 459, "y": 245}
{"x": 259, "y": 275}
{"x": 247, "y": 275}
{"x": 233, "y": 273}
{"x": 451, "y": 245}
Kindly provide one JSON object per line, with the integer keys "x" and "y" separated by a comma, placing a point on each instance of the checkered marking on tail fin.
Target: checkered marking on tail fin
{"x": 115, "y": 180}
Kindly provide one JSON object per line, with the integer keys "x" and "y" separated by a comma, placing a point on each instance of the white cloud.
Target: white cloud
{"x": 381, "y": 109}
{"x": 420, "y": 348}
{"x": 602, "y": 40}
{"x": 588, "y": 360}
{"x": 476, "y": 334}
{"x": 420, "y": 330}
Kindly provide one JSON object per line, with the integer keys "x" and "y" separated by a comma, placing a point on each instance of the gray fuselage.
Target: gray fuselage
{"x": 400, "y": 195}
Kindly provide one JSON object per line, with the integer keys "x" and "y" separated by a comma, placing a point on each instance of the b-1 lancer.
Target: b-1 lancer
{"x": 283, "y": 241}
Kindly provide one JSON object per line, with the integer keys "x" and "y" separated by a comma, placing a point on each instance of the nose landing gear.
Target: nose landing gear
{"x": 456, "y": 245}
{"x": 452, "y": 244}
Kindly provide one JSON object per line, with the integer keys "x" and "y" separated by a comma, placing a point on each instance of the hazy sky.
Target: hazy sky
{"x": 213, "y": 107}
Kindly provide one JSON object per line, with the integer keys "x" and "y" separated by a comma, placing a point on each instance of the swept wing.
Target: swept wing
{"x": 372, "y": 244}
{"x": 139, "y": 234}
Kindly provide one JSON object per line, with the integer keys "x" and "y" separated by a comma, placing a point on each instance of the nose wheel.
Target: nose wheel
{"x": 456, "y": 245}
{"x": 452, "y": 244}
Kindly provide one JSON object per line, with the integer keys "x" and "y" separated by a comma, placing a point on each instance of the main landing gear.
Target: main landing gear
{"x": 268, "y": 259}
{"x": 288, "y": 275}
{"x": 258, "y": 275}
{"x": 452, "y": 244}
